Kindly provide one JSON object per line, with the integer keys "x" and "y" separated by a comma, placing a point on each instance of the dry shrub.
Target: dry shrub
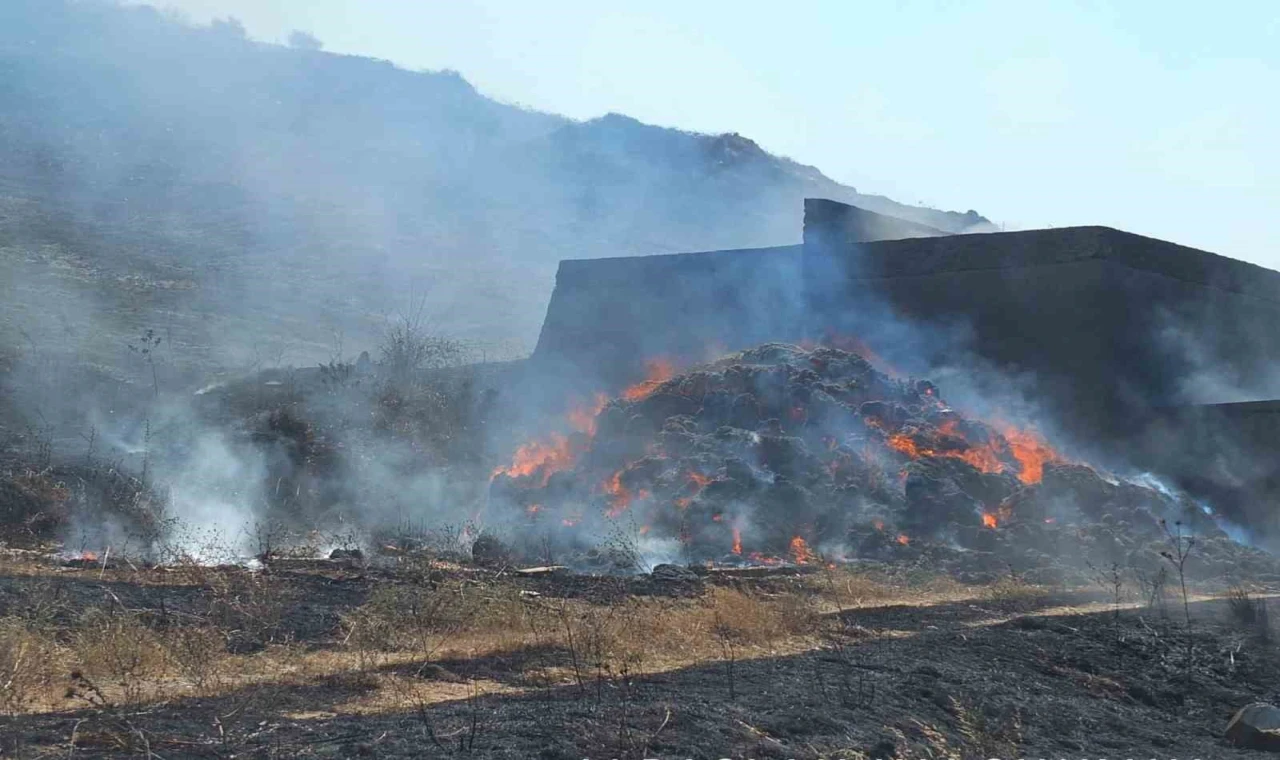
{"x": 247, "y": 605}
{"x": 614, "y": 637}
{"x": 197, "y": 652}
{"x": 1248, "y": 612}
{"x": 26, "y": 665}
{"x": 116, "y": 651}
{"x": 757, "y": 619}
{"x": 853, "y": 587}
{"x": 1008, "y": 589}
{"x": 421, "y": 620}
{"x": 635, "y": 631}
{"x": 32, "y": 504}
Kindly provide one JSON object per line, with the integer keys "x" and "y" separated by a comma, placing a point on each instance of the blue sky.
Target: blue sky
{"x": 1161, "y": 118}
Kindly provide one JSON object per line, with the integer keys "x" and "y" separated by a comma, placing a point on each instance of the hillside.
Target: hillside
{"x": 255, "y": 201}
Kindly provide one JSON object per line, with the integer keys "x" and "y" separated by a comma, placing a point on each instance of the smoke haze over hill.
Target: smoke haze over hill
{"x": 254, "y": 198}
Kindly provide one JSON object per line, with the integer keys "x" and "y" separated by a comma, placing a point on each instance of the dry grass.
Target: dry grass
{"x": 27, "y": 666}
{"x": 389, "y": 648}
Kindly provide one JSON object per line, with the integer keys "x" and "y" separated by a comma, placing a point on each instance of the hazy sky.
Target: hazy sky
{"x": 1157, "y": 117}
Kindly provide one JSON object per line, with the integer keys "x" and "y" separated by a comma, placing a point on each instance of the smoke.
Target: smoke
{"x": 214, "y": 491}
{"x": 259, "y": 207}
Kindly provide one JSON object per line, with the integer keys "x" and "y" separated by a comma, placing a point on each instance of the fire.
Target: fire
{"x": 904, "y": 444}
{"x": 620, "y": 497}
{"x": 879, "y": 524}
{"x": 800, "y": 551}
{"x": 657, "y": 372}
{"x": 983, "y": 458}
{"x": 1031, "y": 452}
{"x": 1026, "y": 447}
{"x": 904, "y": 539}
{"x": 542, "y": 458}
{"x": 533, "y": 509}
{"x": 989, "y": 520}
{"x": 698, "y": 479}
{"x": 557, "y": 452}
{"x": 89, "y": 556}
{"x": 737, "y": 541}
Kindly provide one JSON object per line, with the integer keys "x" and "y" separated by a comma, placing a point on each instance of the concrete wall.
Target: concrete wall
{"x": 608, "y": 316}
{"x": 1108, "y": 330}
{"x": 1105, "y": 323}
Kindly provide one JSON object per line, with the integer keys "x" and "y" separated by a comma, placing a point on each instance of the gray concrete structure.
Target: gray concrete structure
{"x": 1106, "y": 328}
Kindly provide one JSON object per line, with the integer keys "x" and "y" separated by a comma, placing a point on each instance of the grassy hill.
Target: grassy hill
{"x": 253, "y": 201}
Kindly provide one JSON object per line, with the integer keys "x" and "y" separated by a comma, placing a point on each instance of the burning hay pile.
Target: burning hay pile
{"x": 785, "y": 454}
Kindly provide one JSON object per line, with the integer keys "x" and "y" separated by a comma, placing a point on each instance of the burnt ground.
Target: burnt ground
{"x": 1021, "y": 673}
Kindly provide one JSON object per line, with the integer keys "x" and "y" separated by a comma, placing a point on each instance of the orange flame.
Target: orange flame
{"x": 698, "y": 479}
{"x": 904, "y": 539}
{"x": 89, "y": 556}
{"x": 989, "y": 520}
{"x": 620, "y": 497}
{"x": 657, "y": 372}
{"x": 879, "y": 524}
{"x": 543, "y": 458}
{"x": 800, "y": 551}
{"x": 533, "y": 509}
{"x": 556, "y": 453}
{"x": 737, "y": 541}
{"x": 1031, "y": 452}
{"x": 903, "y": 444}
{"x": 1027, "y": 448}
{"x": 983, "y": 458}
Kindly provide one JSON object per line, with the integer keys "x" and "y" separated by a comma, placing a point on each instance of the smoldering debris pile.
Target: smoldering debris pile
{"x": 786, "y": 454}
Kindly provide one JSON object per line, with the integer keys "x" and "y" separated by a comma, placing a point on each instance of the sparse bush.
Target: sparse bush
{"x": 247, "y": 607}
{"x": 749, "y": 618}
{"x": 408, "y": 348}
{"x": 422, "y": 620}
{"x": 1154, "y": 586}
{"x": 1180, "y": 546}
{"x": 33, "y": 504}
{"x": 145, "y": 346}
{"x": 197, "y": 652}
{"x": 1249, "y": 612}
{"x": 26, "y": 665}
{"x": 117, "y": 649}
